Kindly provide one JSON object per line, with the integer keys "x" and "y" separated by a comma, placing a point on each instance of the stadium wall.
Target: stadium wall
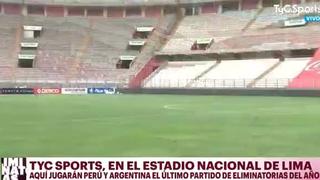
{"x": 148, "y": 69}
{"x": 249, "y": 4}
{"x": 119, "y": 9}
{"x": 81, "y": 11}
{"x": 225, "y": 92}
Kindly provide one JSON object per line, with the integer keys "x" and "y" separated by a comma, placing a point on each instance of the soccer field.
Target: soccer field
{"x": 159, "y": 125}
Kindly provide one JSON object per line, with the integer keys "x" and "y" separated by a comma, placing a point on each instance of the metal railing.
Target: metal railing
{"x": 233, "y": 83}
{"x": 168, "y": 83}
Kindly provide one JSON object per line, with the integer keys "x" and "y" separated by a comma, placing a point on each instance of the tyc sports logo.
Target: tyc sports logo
{"x": 13, "y": 168}
{"x": 310, "y": 12}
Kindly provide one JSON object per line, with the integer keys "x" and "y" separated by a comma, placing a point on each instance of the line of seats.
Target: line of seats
{"x": 256, "y": 73}
{"x": 71, "y": 48}
{"x": 177, "y": 74}
{"x": 283, "y": 74}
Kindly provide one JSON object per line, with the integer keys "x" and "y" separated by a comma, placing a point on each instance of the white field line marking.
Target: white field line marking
{"x": 107, "y": 118}
{"x": 173, "y": 107}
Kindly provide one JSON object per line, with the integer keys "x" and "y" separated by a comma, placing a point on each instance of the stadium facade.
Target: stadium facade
{"x": 124, "y": 8}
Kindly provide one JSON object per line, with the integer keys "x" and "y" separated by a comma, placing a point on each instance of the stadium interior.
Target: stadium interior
{"x": 158, "y": 78}
{"x": 158, "y": 44}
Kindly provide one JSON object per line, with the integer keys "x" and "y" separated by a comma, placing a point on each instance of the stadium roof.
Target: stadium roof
{"x": 110, "y": 2}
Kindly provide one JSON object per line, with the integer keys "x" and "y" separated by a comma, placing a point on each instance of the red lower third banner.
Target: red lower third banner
{"x": 159, "y": 168}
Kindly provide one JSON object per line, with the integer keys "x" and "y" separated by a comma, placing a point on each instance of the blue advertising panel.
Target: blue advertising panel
{"x": 109, "y": 90}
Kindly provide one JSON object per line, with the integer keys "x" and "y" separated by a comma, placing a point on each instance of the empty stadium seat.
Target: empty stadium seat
{"x": 177, "y": 74}
{"x": 281, "y": 76}
{"x": 218, "y": 27}
{"x": 71, "y": 49}
{"x": 234, "y": 73}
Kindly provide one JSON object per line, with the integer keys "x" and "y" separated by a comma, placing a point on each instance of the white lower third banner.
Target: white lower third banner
{"x": 159, "y": 168}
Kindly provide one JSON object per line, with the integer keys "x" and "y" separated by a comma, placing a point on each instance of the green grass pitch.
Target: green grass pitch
{"x": 159, "y": 125}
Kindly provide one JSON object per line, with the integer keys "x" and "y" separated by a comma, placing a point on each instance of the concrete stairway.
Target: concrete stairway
{"x": 203, "y": 73}
{"x": 253, "y": 83}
